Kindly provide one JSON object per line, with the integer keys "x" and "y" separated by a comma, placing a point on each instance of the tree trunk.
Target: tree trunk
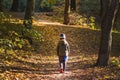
{"x": 78, "y": 4}
{"x": 15, "y": 6}
{"x": 1, "y": 6}
{"x": 73, "y": 5}
{"x": 109, "y": 10}
{"x": 29, "y": 12}
{"x": 101, "y": 7}
{"x": 66, "y": 12}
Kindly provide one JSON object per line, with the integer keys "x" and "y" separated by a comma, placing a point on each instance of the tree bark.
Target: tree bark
{"x": 101, "y": 7}
{"x": 1, "y": 6}
{"x": 109, "y": 10}
{"x": 29, "y": 12}
{"x": 66, "y": 12}
{"x": 15, "y": 6}
{"x": 73, "y": 5}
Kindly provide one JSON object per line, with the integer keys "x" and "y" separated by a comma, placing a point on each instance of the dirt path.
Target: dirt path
{"x": 39, "y": 67}
{"x": 46, "y": 68}
{"x": 47, "y": 22}
{"x": 78, "y": 67}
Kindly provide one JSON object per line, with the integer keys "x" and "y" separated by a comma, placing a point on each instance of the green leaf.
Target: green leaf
{"x": 20, "y": 46}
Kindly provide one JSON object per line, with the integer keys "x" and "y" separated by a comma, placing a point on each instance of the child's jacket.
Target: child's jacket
{"x": 63, "y": 48}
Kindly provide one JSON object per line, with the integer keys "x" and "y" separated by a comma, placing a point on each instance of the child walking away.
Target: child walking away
{"x": 63, "y": 49}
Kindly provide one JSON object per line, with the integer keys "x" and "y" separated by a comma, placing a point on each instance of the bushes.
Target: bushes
{"x": 77, "y": 19}
{"x": 4, "y": 18}
{"x": 15, "y": 36}
{"x": 116, "y": 62}
{"x": 34, "y": 34}
{"x": 22, "y": 39}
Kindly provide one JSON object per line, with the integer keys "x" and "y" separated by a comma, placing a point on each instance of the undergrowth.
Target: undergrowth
{"x": 15, "y": 37}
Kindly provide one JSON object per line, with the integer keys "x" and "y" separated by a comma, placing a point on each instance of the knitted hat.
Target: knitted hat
{"x": 62, "y": 36}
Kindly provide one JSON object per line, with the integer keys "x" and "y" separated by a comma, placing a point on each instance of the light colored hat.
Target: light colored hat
{"x": 62, "y": 36}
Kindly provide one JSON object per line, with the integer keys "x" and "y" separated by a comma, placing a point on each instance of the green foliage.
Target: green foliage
{"x": 46, "y": 5}
{"x": 13, "y": 42}
{"x": 116, "y": 62}
{"x": 17, "y": 41}
{"x": 34, "y": 34}
{"x": 13, "y": 35}
{"x": 78, "y": 19}
{"x": 92, "y": 22}
{"x": 28, "y": 23}
{"x": 4, "y": 18}
{"x": 17, "y": 38}
{"x": 20, "y": 39}
{"x": 5, "y": 44}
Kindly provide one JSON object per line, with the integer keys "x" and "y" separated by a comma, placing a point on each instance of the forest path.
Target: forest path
{"x": 41, "y": 22}
{"x": 77, "y": 67}
{"x": 47, "y": 68}
{"x": 42, "y": 19}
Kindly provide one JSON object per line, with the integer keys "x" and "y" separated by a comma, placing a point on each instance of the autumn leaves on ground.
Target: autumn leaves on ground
{"x": 43, "y": 63}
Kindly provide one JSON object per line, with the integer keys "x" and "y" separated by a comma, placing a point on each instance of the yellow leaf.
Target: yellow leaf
{"x": 119, "y": 66}
{"x": 106, "y": 77}
{"x": 20, "y": 46}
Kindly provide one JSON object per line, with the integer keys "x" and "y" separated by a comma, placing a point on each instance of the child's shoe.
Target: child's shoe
{"x": 61, "y": 70}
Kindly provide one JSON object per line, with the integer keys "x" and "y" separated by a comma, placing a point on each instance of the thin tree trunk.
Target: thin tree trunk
{"x": 73, "y": 5}
{"x": 101, "y": 7}
{"x": 66, "y": 12}
{"x": 15, "y": 5}
{"x": 1, "y": 6}
{"x": 29, "y": 12}
{"x": 108, "y": 16}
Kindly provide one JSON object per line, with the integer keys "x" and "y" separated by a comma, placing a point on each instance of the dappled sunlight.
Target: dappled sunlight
{"x": 47, "y": 67}
{"x": 43, "y": 23}
{"x": 44, "y": 63}
{"x": 29, "y": 38}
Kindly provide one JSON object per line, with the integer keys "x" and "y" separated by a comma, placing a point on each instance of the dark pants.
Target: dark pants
{"x": 63, "y": 62}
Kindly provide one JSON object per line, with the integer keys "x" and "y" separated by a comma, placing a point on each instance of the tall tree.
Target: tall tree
{"x": 15, "y": 5}
{"x": 29, "y": 12}
{"x": 73, "y": 5}
{"x": 1, "y": 6}
{"x": 66, "y": 12}
{"x": 109, "y": 10}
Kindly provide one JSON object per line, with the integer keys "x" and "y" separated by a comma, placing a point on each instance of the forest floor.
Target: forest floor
{"x": 38, "y": 67}
{"x": 80, "y": 64}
